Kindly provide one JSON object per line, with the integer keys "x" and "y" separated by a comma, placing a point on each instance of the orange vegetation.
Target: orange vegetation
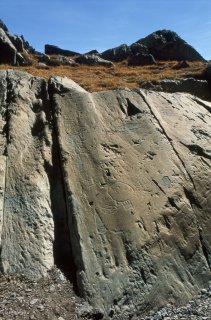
{"x": 97, "y": 78}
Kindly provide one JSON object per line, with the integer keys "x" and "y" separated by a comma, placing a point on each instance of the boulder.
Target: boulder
{"x": 199, "y": 88}
{"x": 167, "y": 45}
{"x": 114, "y": 186}
{"x": 117, "y": 54}
{"x": 16, "y": 41}
{"x": 141, "y": 59}
{"x": 137, "y": 178}
{"x": 93, "y": 60}
{"x": 32, "y": 207}
{"x": 138, "y": 48}
{"x": 50, "y": 49}
{"x": 181, "y": 65}
{"x": 206, "y": 74}
{"x": 43, "y": 58}
{"x": 8, "y": 52}
{"x": 66, "y": 61}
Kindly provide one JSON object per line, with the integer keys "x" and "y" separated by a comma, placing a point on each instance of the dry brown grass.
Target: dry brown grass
{"x": 97, "y": 78}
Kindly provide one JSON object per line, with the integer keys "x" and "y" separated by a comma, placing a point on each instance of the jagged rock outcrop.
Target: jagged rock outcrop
{"x": 12, "y": 48}
{"x": 51, "y": 49}
{"x": 8, "y": 52}
{"x": 127, "y": 171}
{"x": 93, "y": 60}
{"x": 201, "y": 88}
{"x": 162, "y": 45}
{"x": 117, "y": 54}
{"x": 167, "y": 45}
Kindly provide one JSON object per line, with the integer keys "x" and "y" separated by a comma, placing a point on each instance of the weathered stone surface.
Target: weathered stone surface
{"x": 33, "y": 206}
{"x": 167, "y": 45}
{"x": 136, "y": 168}
{"x": 199, "y": 88}
{"x": 128, "y": 171}
{"x": 92, "y": 60}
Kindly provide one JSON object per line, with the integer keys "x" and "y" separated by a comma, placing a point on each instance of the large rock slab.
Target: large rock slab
{"x": 116, "y": 181}
{"x": 31, "y": 204}
{"x": 136, "y": 167}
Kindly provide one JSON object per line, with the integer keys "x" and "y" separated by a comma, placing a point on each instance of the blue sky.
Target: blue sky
{"x": 82, "y": 25}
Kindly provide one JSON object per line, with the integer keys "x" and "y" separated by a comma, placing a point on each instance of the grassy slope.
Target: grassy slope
{"x": 96, "y": 78}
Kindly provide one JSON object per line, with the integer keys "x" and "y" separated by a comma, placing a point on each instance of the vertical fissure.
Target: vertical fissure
{"x": 7, "y": 100}
{"x": 63, "y": 252}
{"x": 204, "y": 249}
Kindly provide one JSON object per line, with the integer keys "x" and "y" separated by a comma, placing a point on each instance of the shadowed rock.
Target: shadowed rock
{"x": 199, "y": 88}
{"x": 117, "y": 54}
{"x": 141, "y": 59}
{"x": 50, "y": 49}
{"x": 167, "y": 45}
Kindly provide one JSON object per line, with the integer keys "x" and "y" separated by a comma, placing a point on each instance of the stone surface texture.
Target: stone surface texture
{"x": 127, "y": 172}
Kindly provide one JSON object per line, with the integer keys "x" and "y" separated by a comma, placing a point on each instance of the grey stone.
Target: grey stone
{"x": 92, "y": 59}
{"x": 97, "y": 165}
{"x": 122, "y": 217}
{"x": 199, "y": 88}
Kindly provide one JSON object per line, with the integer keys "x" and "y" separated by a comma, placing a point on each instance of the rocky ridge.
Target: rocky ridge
{"x": 113, "y": 187}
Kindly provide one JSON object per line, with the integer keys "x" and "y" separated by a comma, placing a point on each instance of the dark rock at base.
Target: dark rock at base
{"x": 138, "y": 48}
{"x": 181, "y": 65}
{"x": 199, "y": 88}
{"x": 92, "y": 59}
{"x": 117, "y": 54}
{"x": 44, "y": 58}
{"x": 206, "y": 74}
{"x": 51, "y": 49}
{"x": 141, "y": 59}
{"x": 167, "y": 45}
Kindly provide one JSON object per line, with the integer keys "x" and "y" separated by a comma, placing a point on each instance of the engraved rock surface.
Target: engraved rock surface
{"x": 136, "y": 166}
{"x": 126, "y": 172}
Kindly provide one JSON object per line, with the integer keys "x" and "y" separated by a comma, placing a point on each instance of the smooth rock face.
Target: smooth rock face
{"x": 128, "y": 172}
